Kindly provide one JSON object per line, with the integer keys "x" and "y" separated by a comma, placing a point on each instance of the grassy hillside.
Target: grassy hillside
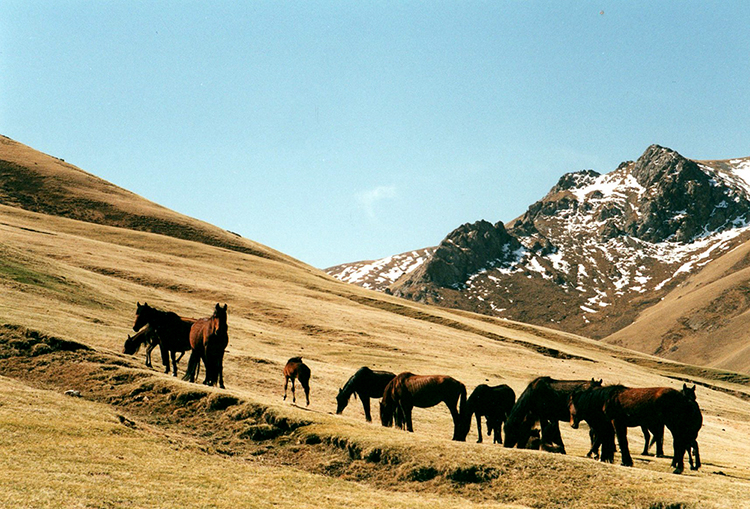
{"x": 74, "y": 264}
{"x": 138, "y": 437}
{"x": 704, "y": 321}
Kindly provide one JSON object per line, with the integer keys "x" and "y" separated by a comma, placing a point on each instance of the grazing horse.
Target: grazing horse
{"x": 408, "y": 390}
{"x": 173, "y": 332}
{"x": 296, "y": 369}
{"x": 366, "y": 384}
{"x": 494, "y": 403}
{"x": 208, "y": 341}
{"x": 145, "y": 336}
{"x": 545, "y": 400}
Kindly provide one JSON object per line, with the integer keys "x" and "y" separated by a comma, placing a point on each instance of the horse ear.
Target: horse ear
{"x": 226, "y": 307}
{"x": 684, "y": 387}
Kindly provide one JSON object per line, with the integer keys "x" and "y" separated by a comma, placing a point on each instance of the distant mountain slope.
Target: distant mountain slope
{"x": 38, "y": 182}
{"x": 595, "y": 251}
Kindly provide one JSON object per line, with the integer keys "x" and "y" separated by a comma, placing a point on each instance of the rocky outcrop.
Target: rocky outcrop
{"x": 465, "y": 251}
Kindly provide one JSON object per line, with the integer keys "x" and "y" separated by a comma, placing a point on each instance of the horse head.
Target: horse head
{"x": 575, "y": 418}
{"x": 142, "y": 315}
{"x": 341, "y": 402}
{"x": 386, "y": 414}
{"x": 130, "y": 346}
{"x": 220, "y": 312}
{"x": 689, "y": 392}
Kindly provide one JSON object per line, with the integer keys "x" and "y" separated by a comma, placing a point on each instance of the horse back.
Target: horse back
{"x": 644, "y": 404}
{"x": 429, "y": 390}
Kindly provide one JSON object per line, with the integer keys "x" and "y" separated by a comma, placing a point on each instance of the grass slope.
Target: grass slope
{"x": 66, "y": 283}
{"x": 703, "y": 321}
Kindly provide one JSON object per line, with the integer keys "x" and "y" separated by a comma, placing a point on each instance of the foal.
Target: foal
{"x": 296, "y": 369}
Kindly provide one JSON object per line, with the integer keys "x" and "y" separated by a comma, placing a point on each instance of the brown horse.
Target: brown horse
{"x": 295, "y": 369}
{"x": 615, "y": 408}
{"x": 408, "y": 390}
{"x": 208, "y": 340}
{"x": 173, "y": 332}
{"x": 494, "y": 403}
{"x": 366, "y": 384}
{"x": 545, "y": 400}
{"x": 145, "y": 336}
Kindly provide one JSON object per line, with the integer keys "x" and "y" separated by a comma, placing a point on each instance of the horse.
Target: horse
{"x": 366, "y": 384}
{"x": 208, "y": 341}
{"x": 173, "y": 332}
{"x": 616, "y": 407}
{"x": 296, "y": 369}
{"x": 545, "y": 400}
{"x": 494, "y": 403}
{"x": 408, "y": 390}
{"x": 145, "y": 336}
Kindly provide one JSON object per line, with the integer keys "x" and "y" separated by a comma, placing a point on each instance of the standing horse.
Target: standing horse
{"x": 296, "y": 369}
{"x": 366, "y": 384}
{"x": 145, "y": 336}
{"x": 545, "y": 400}
{"x": 208, "y": 341}
{"x": 651, "y": 407}
{"x": 173, "y": 332}
{"x": 408, "y": 390}
{"x": 494, "y": 403}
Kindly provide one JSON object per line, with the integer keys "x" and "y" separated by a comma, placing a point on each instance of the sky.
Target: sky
{"x": 338, "y": 131}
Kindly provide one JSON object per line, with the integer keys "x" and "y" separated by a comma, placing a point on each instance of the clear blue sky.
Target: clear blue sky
{"x": 341, "y": 131}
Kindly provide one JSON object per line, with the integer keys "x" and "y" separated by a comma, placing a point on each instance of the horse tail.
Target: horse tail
{"x": 461, "y": 398}
{"x": 193, "y": 367}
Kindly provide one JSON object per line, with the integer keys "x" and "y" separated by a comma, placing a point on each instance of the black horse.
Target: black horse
{"x": 366, "y": 384}
{"x": 173, "y": 332}
{"x": 545, "y": 400}
{"x": 494, "y": 403}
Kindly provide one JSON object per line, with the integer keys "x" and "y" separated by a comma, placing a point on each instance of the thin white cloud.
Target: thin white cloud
{"x": 368, "y": 199}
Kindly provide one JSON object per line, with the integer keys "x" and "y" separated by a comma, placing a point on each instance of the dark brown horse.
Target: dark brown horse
{"x": 295, "y": 369}
{"x": 208, "y": 340}
{"x": 146, "y": 336}
{"x": 366, "y": 384}
{"x": 408, "y": 390}
{"x": 545, "y": 400}
{"x": 652, "y": 407}
{"x": 173, "y": 332}
{"x": 494, "y": 403}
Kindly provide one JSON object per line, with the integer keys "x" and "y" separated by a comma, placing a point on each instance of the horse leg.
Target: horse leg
{"x": 646, "y": 440}
{"x": 479, "y": 426}
{"x": 164, "y": 358}
{"x": 366, "y": 406}
{"x": 678, "y": 461}
{"x": 221, "y": 372}
{"x": 149, "y": 348}
{"x": 286, "y": 384}
{"x": 406, "y": 413}
{"x": 173, "y": 355}
{"x": 498, "y": 431}
{"x": 622, "y": 439}
{"x": 659, "y": 439}
{"x": 294, "y": 396}
{"x": 694, "y": 449}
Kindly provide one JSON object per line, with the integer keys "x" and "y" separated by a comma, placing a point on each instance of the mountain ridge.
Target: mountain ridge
{"x": 596, "y": 250}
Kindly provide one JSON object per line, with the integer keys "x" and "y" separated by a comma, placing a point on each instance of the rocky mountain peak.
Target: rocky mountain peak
{"x": 466, "y": 250}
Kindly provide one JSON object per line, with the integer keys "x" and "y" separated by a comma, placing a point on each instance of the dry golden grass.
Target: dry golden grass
{"x": 80, "y": 282}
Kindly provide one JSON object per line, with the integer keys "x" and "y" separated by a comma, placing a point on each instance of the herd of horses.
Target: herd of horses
{"x": 531, "y": 421}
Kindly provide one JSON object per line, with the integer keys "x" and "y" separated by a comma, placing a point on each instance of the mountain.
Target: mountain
{"x": 592, "y": 254}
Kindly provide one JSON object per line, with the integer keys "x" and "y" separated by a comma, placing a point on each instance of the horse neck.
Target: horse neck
{"x": 352, "y": 384}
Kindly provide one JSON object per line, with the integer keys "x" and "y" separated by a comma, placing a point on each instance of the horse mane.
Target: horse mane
{"x": 350, "y": 386}
{"x": 594, "y": 398}
{"x": 525, "y": 400}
